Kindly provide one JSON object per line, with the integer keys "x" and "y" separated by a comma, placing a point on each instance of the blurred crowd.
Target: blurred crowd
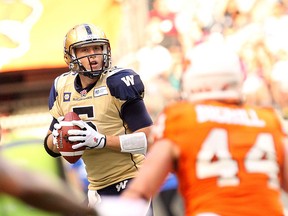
{"x": 256, "y": 29}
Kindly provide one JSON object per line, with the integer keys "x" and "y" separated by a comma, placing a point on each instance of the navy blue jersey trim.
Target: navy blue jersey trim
{"x": 125, "y": 85}
{"x": 52, "y": 96}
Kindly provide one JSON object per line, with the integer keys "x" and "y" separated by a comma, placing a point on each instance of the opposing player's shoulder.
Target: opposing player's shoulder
{"x": 267, "y": 114}
{"x": 265, "y": 111}
{"x": 124, "y": 83}
{"x": 178, "y": 108}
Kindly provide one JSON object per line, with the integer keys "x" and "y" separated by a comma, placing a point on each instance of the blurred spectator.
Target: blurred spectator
{"x": 165, "y": 19}
{"x": 256, "y": 91}
{"x": 159, "y": 67}
{"x": 169, "y": 197}
{"x": 77, "y": 177}
{"x": 279, "y": 87}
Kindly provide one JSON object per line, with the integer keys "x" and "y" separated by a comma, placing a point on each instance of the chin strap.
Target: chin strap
{"x": 91, "y": 74}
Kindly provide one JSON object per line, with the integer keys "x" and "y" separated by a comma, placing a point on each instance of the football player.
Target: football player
{"x": 230, "y": 158}
{"x": 109, "y": 100}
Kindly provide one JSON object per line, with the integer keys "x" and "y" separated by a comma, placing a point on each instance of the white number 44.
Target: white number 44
{"x": 261, "y": 158}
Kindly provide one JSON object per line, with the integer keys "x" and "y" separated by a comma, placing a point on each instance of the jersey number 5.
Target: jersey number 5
{"x": 215, "y": 160}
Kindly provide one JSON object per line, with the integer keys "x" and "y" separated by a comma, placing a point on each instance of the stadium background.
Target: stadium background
{"x": 153, "y": 37}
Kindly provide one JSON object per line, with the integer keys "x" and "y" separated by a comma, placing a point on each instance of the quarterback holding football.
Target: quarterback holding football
{"x": 110, "y": 134}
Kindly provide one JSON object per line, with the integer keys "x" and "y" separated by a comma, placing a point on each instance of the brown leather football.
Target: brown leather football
{"x": 64, "y": 145}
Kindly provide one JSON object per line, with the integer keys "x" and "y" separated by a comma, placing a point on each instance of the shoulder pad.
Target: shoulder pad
{"x": 59, "y": 82}
{"x": 113, "y": 70}
{"x": 125, "y": 84}
{"x": 62, "y": 79}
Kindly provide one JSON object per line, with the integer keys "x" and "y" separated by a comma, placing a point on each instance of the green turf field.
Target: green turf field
{"x": 29, "y": 153}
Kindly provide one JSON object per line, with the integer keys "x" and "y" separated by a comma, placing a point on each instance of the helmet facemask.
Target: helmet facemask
{"x": 86, "y": 35}
{"x": 76, "y": 64}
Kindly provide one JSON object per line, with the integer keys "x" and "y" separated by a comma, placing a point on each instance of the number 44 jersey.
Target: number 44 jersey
{"x": 231, "y": 157}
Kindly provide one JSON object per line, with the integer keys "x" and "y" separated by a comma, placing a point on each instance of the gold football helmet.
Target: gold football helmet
{"x": 86, "y": 35}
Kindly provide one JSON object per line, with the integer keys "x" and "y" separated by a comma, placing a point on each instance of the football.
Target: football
{"x": 64, "y": 145}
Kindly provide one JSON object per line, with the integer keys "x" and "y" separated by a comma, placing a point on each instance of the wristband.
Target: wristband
{"x": 135, "y": 143}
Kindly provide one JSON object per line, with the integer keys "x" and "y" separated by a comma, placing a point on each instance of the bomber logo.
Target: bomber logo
{"x": 67, "y": 96}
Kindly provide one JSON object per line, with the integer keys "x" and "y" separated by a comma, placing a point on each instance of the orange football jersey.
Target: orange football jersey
{"x": 231, "y": 157}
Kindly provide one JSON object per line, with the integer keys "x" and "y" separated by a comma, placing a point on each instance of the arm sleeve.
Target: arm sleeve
{"x": 135, "y": 114}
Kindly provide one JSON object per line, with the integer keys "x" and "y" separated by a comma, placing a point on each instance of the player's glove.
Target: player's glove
{"x": 87, "y": 136}
{"x": 55, "y": 132}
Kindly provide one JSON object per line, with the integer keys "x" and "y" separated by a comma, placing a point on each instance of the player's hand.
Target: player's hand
{"x": 55, "y": 131}
{"x": 87, "y": 136}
